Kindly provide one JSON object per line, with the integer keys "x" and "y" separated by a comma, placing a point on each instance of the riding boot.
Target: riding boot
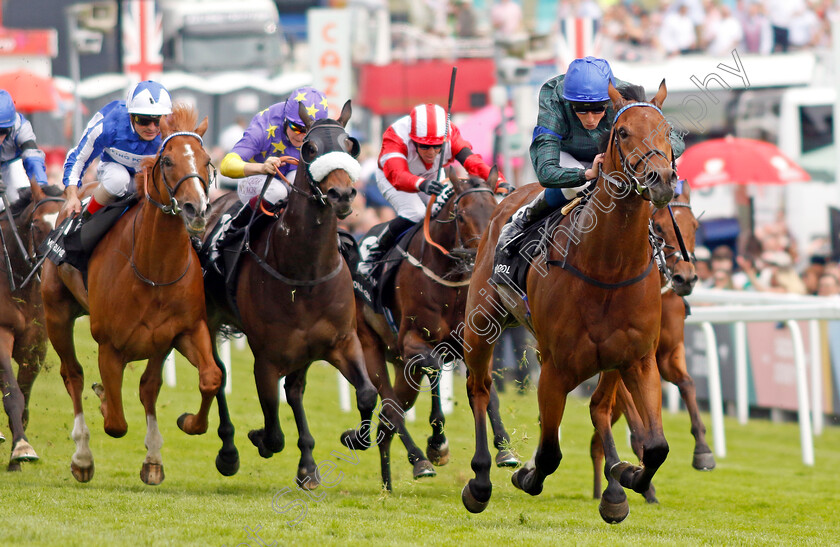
{"x": 372, "y": 250}
{"x": 522, "y": 218}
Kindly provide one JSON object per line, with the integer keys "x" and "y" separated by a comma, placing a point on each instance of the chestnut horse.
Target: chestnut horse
{"x": 294, "y": 296}
{"x": 145, "y": 296}
{"x": 430, "y": 293}
{"x": 677, "y": 282}
{"x": 22, "y": 334}
{"x": 597, "y": 308}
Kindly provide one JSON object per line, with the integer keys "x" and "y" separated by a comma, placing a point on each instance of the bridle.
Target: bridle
{"x": 173, "y": 207}
{"x": 463, "y": 255}
{"x": 668, "y": 265}
{"x": 636, "y": 185}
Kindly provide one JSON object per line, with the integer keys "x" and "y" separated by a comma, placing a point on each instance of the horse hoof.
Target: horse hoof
{"x": 182, "y": 420}
{"x": 617, "y": 470}
{"x": 23, "y": 452}
{"x": 151, "y": 473}
{"x": 438, "y": 456}
{"x": 506, "y": 458}
{"x": 613, "y": 513}
{"x": 350, "y": 439}
{"x": 13, "y": 467}
{"x": 99, "y": 390}
{"x": 472, "y": 504}
{"x": 307, "y": 480}
{"x": 650, "y": 495}
{"x": 2, "y": 438}
{"x": 517, "y": 478}
{"x": 424, "y": 469}
{"x": 227, "y": 463}
{"x": 82, "y": 474}
{"x": 256, "y": 438}
{"x": 703, "y": 462}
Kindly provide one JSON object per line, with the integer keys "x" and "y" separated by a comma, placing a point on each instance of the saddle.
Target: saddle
{"x": 511, "y": 265}
{"x": 74, "y": 240}
{"x": 376, "y": 286}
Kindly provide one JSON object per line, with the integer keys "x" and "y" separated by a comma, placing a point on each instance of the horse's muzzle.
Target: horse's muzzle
{"x": 341, "y": 201}
{"x": 194, "y": 220}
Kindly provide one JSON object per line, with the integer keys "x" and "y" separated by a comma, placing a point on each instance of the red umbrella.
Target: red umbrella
{"x": 737, "y": 161}
{"x": 31, "y": 92}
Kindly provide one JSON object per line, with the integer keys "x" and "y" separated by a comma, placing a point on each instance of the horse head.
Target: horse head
{"x": 466, "y": 214}
{"x": 329, "y": 155}
{"x": 40, "y": 217}
{"x": 641, "y": 138}
{"x": 181, "y": 173}
{"x": 682, "y": 273}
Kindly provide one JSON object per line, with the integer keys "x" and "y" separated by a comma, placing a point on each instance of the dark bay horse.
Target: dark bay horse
{"x": 593, "y": 305}
{"x": 429, "y": 299}
{"x": 22, "y": 334}
{"x": 145, "y": 296}
{"x": 670, "y": 354}
{"x": 295, "y": 299}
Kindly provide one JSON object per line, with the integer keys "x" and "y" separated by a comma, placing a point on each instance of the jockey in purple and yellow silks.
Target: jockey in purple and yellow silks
{"x": 276, "y": 131}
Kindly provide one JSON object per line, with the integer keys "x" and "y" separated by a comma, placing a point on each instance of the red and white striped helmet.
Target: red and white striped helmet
{"x": 428, "y": 124}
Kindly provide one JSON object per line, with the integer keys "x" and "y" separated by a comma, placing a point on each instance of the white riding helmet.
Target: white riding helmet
{"x": 149, "y": 98}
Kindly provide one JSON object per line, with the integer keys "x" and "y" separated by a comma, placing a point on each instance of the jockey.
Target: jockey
{"x": 407, "y": 173}
{"x": 575, "y": 115}
{"x": 122, "y": 134}
{"x": 276, "y": 131}
{"x": 17, "y": 142}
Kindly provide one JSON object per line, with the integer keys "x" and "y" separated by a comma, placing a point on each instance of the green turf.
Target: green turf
{"x": 760, "y": 493}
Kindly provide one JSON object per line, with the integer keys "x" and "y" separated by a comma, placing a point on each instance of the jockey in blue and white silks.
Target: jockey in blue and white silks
{"x": 121, "y": 135}
{"x": 17, "y": 142}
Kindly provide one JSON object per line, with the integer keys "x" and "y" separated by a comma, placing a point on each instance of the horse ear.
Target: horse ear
{"x": 37, "y": 192}
{"x": 452, "y": 175}
{"x": 617, "y": 99}
{"x": 493, "y": 177}
{"x": 686, "y": 190}
{"x": 304, "y": 115}
{"x": 165, "y": 130}
{"x": 660, "y": 95}
{"x": 202, "y": 127}
{"x": 346, "y": 112}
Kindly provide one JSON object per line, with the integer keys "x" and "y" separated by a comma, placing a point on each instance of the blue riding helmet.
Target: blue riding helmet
{"x": 7, "y": 110}
{"x": 314, "y": 101}
{"x": 149, "y": 98}
{"x": 587, "y": 80}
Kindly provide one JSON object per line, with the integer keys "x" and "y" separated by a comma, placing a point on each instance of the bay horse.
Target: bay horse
{"x": 678, "y": 281}
{"x": 596, "y": 308}
{"x": 22, "y": 334}
{"x": 294, "y": 297}
{"x": 145, "y": 295}
{"x": 430, "y": 293}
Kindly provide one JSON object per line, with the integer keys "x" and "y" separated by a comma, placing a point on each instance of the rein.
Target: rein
{"x": 35, "y": 260}
{"x": 426, "y": 221}
{"x": 173, "y": 208}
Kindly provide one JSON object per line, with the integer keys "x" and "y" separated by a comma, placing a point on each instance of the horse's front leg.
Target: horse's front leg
{"x": 501, "y": 440}
{"x": 197, "y": 346}
{"x": 111, "y": 369}
{"x": 613, "y": 507}
{"x": 13, "y": 402}
{"x": 347, "y": 356}
{"x": 551, "y": 395}
{"x": 227, "y": 460}
{"x": 673, "y": 369}
{"x": 152, "y": 471}
{"x": 643, "y": 383}
{"x": 307, "y": 476}
{"x": 269, "y": 440}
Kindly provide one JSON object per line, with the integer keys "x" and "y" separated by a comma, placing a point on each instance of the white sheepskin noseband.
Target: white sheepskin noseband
{"x": 329, "y": 162}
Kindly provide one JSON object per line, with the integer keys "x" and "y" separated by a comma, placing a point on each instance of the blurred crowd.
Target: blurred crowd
{"x": 768, "y": 263}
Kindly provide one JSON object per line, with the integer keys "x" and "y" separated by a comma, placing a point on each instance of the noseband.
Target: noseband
{"x": 629, "y": 170}
{"x": 174, "y": 208}
{"x": 320, "y": 143}
{"x": 462, "y": 253}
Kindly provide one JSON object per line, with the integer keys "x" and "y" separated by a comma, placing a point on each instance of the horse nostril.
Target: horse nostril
{"x": 334, "y": 194}
{"x": 189, "y": 209}
{"x": 353, "y": 193}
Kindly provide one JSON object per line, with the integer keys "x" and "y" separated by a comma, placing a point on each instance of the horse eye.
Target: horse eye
{"x": 622, "y": 133}
{"x": 166, "y": 161}
{"x": 352, "y": 146}
{"x": 309, "y": 151}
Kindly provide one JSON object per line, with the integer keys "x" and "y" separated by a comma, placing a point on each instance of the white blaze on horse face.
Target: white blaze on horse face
{"x": 50, "y": 220}
{"x": 190, "y": 155}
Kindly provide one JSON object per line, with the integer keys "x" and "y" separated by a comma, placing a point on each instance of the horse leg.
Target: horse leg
{"x": 307, "y": 477}
{"x": 111, "y": 369}
{"x": 349, "y": 359}
{"x": 642, "y": 381}
{"x": 625, "y": 401}
{"x": 437, "y": 446}
{"x": 13, "y": 402}
{"x": 613, "y": 507}
{"x": 501, "y": 439}
{"x": 551, "y": 397}
{"x": 407, "y": 381}
{"x": 673, "y": 368}
{"x": 60, "y": 316}
{"x": 27, "y": 373}
{"x": 478, "y": 356}
{"x": 227, "y": 460}
{"x": 197, "y": 347}
{"x": 269, "y": 440}
{"x": 152, "y": 471}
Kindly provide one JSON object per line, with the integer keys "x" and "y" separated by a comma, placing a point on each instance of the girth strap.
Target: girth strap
{"x": 577, "y": 273}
